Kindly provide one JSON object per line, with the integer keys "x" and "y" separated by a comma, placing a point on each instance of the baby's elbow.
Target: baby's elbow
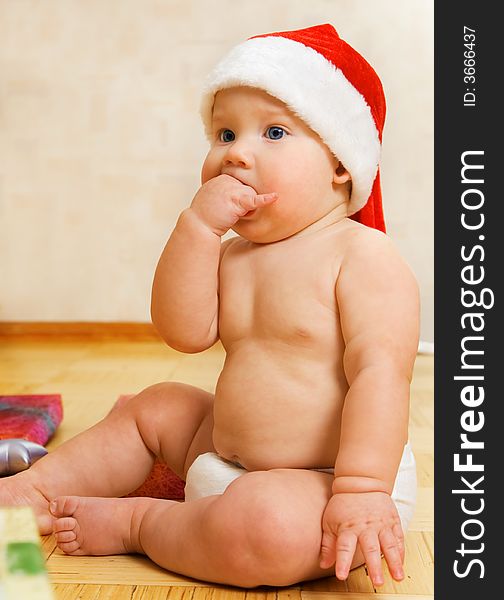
{"x": 184, "y": 335}
{"x": 155, "y": 315}
{"x": 188, "y": 347}
{"x": 184, "y": 341}
{"x": 159, "y": 326}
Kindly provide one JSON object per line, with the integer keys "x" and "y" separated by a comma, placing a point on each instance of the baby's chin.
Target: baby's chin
{"x": 261, "y": 231}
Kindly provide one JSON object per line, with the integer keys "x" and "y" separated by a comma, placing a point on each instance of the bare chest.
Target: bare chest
{"x": 282, "y": 291}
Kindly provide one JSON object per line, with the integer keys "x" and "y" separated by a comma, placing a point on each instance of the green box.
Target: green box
{"x": 24, "y": 558}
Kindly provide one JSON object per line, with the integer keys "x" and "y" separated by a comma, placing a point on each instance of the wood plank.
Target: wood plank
{"x": 288, "y": 594}
{"x": 330, "y": 584}
{"x": 423, "y": 517}
{"x": 91, "y": 329}
{"x": 151, "y": 592}
{"x": 419, "y": 574}
{"x": 120, "y": 569}
{"x": 48, "y": 544}
{"x": 124, "y": 592}
{"x": 418, "y": 569}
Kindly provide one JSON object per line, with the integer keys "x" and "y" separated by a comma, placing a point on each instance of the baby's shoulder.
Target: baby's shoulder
{"x": 355, "y": 239}
{"x": 368, "y": 251}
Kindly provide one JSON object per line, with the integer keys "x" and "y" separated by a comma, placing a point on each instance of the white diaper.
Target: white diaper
{"x": 210, "y": 474}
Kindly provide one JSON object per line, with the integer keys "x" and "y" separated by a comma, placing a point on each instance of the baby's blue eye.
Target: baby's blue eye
{"x": 275, "y": 133}
{"x": 226, "y": 135}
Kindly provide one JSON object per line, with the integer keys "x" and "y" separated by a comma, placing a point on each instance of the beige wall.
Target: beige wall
{"x": 101, "y": 143}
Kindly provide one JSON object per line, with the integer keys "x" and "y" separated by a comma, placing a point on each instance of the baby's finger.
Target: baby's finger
{"x": 263, "y": 199}
{"x": 345, "y": 550}
{"x": 390, "y": 548}
{"x": 370, "y": 547}
{"x": 398, "y": 532}
{"x": 327, "y": 549}
{"x": 249, "y": 202}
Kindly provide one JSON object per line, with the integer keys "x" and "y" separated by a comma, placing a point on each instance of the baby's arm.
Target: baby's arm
{"x": 377, "y": 297}
{"x": 184, "y": 304}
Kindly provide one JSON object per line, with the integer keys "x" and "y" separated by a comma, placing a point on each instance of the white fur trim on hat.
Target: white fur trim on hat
{"x": 316, "y": 91}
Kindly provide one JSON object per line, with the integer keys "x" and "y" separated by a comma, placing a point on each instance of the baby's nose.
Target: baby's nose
{"x": 239, "y": 154}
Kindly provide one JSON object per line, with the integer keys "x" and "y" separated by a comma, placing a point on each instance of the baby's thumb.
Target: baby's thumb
{"x": 327, "y": 550}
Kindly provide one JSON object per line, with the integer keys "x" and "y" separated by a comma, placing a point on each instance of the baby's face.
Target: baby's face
{"x": 259, "y": 141}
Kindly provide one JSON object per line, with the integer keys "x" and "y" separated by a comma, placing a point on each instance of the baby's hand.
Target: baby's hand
{"x": 369, "y": 519}
{"x": 221, "y": 201}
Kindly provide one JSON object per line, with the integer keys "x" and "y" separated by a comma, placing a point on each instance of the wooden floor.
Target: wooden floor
{"x": 91, "y": 374}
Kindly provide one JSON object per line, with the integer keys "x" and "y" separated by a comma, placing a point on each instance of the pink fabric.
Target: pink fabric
{"x": 33, "y": 417}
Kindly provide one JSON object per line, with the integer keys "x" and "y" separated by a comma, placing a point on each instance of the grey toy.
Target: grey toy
{"x": 18, "y": 455}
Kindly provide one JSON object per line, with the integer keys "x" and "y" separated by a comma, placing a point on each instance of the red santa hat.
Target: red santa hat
{"x": 330, "y": 86}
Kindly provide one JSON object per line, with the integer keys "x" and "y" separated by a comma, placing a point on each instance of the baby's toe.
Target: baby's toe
{"x": 70, "y": 547}
{"x": 62, "y": 537}
{"x": 64, "y": 506}
{"x": 64, "y": 524}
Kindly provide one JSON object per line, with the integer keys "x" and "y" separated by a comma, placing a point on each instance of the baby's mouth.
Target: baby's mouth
{"x": 240, "y": 180}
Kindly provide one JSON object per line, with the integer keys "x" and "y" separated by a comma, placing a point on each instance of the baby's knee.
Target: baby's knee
{"x": 169, "y": 397}
{"x": 270, "y": 545}
{"x": 163, "y": 405}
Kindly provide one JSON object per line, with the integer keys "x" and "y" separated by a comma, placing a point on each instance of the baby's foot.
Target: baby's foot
{"x": 16, "y": 491}
{"x": 98, "y": 526}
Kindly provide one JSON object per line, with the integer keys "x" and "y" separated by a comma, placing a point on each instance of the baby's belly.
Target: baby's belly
{"x": 276, "y": 408}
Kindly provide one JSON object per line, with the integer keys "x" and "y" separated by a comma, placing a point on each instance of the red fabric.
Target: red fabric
{"x": 162, "y": 482}
{"x": 325, "y": 40}
{"x": 372, "y": 213}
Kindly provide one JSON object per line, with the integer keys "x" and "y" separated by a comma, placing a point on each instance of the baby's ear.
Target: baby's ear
{"x": 341, "y": 175}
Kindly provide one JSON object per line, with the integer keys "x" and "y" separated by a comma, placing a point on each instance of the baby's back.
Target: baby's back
{"x": 279, "y": 397}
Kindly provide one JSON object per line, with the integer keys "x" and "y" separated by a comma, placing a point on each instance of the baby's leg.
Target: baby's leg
{"x": 169, "y": 421}
{"x": 264, "y": 530}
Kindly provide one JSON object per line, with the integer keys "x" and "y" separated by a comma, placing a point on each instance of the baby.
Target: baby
{"x": 299, "y": 467}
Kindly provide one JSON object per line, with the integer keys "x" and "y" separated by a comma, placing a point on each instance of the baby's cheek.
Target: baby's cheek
{"x": 295, "y": 178}
{"x": 286, "y": 210}
{"x": 209, "y": 170}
